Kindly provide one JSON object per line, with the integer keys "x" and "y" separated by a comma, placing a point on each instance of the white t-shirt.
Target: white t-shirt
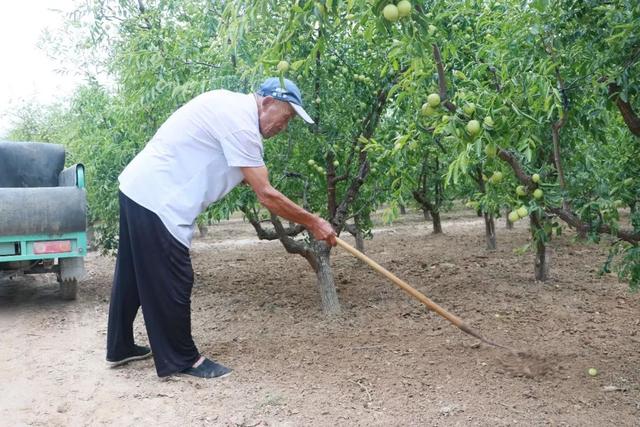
{"x": 194, "y": 159}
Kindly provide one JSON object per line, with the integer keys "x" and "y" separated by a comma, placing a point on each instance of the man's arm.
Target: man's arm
{"x": 279, "y": 204}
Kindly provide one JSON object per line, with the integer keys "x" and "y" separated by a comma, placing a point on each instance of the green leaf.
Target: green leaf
{"x": 297, "y": 64}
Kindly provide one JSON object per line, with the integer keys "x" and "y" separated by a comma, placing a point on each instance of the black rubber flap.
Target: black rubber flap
{"x": 30, "y": 164}
{"x": 42, "y": 210}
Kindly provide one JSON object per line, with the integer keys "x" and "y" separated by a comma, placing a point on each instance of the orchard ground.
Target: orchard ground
{"x": 385, "y": 361}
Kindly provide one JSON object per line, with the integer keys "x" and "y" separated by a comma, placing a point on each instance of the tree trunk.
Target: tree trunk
{"x": 203, "y": 229}
{"x": 317, "y": 254}
{"x": 92, "y": 243}
{"x": 356, "y": 232}
{"x": 509, "y": 223}
{"x": 403, "y": 209}
{"x": 426, "y": 213}
{"x": 543, "y": 260}
{"x": 437, "y": 224}
{"x": 582, "y": 233}
{"x": 359, "y": 240}
{"x": 490, "y": 231}
{"x": 326, "y": 282}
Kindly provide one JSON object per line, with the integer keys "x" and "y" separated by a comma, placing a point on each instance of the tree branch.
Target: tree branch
{"x": 555, "y": 133}
{"x": 442, "y": 81}
{"x": 331, "y": 184}
{"x": 522, "y": 176}
{"x": 292, "y": 246}
{"x": 369, "y": 125}
{"x": 573, "y": 220}
{"x": 347, "y": 164}
{"x": 341, "y": 212}
{"x": 143, "y": 11}
{"x": 496, "y": 81}
{"x": 565, "y": 214}
{"x": 265, "y": 234}
{"x": 204, "y": 64}
{"x": 629, "y": 116}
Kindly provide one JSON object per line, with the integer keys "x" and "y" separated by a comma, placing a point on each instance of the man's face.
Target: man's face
{"x": 274, "y": 116}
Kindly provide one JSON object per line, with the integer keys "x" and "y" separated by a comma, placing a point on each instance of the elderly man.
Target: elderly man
{"x": 206, "y": 148}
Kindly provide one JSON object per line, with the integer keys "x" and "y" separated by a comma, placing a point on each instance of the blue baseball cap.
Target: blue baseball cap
{"x": 289, "y": 93}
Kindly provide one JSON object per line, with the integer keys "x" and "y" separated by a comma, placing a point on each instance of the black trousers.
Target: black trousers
{"x": 153, "y": 271}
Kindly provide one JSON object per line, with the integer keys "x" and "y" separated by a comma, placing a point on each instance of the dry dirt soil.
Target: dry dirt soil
{"x": 385, "y": 361}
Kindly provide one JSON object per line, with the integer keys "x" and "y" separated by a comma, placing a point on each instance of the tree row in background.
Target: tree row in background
{"x": 522, "y": 109}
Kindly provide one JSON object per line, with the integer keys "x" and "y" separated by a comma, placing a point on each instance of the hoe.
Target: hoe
{"x": 528, "y": 365}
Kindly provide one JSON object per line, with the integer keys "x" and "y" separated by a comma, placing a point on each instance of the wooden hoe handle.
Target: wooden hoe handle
{"x": 414, "y": 292}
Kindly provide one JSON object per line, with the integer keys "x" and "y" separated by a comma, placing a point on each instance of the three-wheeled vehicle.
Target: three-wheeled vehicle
{"x": 43, "y": 214}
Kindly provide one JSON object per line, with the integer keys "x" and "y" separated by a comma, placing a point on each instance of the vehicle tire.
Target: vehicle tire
{"x": 68, "y": 289}
{"x": 71, "y": 270}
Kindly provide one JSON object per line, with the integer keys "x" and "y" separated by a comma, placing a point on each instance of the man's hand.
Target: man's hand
{"x": 279, "y": 204}
{"x": 322, "y": 230}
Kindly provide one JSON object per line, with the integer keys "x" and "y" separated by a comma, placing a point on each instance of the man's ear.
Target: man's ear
{"x": 267, "y": 100}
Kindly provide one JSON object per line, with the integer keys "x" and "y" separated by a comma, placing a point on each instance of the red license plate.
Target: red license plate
{"x": 52, "y": 247}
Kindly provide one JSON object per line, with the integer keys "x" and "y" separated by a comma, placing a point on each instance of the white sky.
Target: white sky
{"x": 26, "y": 72}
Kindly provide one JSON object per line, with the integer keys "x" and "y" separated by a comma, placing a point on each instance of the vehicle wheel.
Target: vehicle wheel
{"x": 68, "y": 289}
{"x": 71, "y": 270}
